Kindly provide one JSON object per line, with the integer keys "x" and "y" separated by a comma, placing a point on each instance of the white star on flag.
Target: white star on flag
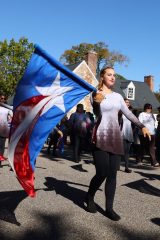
{"x": 55, "y": 93}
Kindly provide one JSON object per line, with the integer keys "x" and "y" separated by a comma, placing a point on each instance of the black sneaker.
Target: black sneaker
{"x": 90, "y": 204}
{"x": 77, "y": 161}
{"x": 127, "y": 170}
{"x": 111, "y": 214}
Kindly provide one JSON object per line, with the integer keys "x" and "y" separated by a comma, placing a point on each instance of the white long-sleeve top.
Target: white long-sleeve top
{"x": 108, "y": 135}
{"x": 148, "y": 120}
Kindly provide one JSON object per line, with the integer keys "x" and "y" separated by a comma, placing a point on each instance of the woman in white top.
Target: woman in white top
{"x": 148, "y": 120}
{"x": 108, "y": 140}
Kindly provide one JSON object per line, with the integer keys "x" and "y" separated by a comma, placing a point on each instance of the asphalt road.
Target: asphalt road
{"x": 57, "y": 212}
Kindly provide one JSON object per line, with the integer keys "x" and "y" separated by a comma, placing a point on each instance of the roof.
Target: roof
{"x": 117, "y": 87}
{"x": 143, "y": 94}
{"x": 73, "y": 66}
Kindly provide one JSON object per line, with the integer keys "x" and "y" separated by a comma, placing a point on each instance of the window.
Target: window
{"x": 130, "y": 93}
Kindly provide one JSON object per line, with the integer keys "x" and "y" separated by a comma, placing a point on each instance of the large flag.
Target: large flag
{"x": 46, "y": 92}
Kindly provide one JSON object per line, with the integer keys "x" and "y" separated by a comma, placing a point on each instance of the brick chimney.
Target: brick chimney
{"x": 91, "y": 60}
{"x": 150, "y": 82}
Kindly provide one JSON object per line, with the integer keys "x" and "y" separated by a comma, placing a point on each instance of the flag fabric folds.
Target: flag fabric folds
{"x": 46, "y": 92}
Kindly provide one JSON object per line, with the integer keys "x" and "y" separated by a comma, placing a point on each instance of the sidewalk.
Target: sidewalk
{"x": 58, "y": 212}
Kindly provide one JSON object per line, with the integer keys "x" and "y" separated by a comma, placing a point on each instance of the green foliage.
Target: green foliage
{"x": 104, "y": 55}
{"x": 118, "y": 76}
{"x": 14, "y": 57}
{"x": 76, "y": 53}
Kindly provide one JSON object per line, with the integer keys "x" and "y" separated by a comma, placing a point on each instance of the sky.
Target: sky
{"x": 131, "y": 27}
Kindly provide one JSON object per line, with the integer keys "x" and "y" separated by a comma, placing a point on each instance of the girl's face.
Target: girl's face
{"x": 149, "y": 110}
{"x": 109, "y": 78}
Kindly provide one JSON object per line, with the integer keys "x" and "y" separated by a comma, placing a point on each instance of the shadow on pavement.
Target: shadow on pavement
{"x": 8, "y": 203}
{"x": 124, "y": 233}
{"x": 144, "y": 166}
{"x": 144, "y": 187}
{"x": 79, "y": 168}
{"x": 60, "y": 227}
{"x": 65, "y": 189}
{"x": 149, "y": 176}
{"x": 156, "y": 221}
{"x": 41, "y": 167}
{"x": 52, "y": 227}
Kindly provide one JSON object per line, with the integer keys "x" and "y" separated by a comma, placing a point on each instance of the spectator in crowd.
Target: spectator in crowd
{"x": 158, "y": 137}
{"x": 147, "y": 118}
{"x": 64, "y": 128}
{"x": 136, "y": 144}
{"x": 79, "y": 125}
{"x": 54, "y": 138}
{"x": 127, "y": 137}
{"x": 88, "y": 138}
{"x": 5, "y": 121}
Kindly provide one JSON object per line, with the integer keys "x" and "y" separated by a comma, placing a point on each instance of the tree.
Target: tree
{"x": 104, "y": 55}
{"x": 14, "y": 57}
{"x": 120, "y": 77}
